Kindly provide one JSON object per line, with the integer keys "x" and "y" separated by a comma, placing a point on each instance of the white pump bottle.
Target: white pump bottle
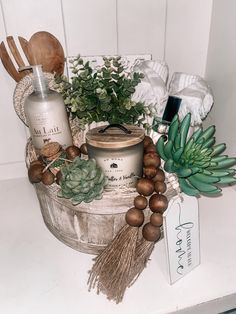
{"x": 45, "y": 113}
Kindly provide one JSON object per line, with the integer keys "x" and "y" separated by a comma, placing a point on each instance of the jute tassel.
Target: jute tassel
{"x": 151, "y": 234}
{"x": 111, "y": 270}
{"x": 142, "y": 256}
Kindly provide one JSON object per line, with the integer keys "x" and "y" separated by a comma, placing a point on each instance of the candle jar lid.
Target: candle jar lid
{"x": 115, "y": 136}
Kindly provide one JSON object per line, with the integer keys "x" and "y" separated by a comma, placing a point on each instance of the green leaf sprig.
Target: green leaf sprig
{"x": 101, "y": 94}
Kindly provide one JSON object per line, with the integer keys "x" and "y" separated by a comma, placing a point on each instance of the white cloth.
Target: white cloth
{"x": 152, "y": 89}
{"x": 196, "y": 95}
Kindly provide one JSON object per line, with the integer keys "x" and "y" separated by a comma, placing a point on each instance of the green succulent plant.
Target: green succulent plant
{"x": 82, "y": 181}
{"x": 198, "y": 162}
{"x": 101, "y": 94}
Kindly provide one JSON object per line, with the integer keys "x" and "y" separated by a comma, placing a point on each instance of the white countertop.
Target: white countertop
{"x": 40, "y": 275}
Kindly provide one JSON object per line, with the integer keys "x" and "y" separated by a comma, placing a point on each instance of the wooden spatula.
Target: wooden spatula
{"x": 8, "y": 62}
{"x": 24, "y": 47}
{"x": 16, "y": 54}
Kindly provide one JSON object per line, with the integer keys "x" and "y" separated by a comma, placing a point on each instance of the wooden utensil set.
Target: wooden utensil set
{"x": 42, "y": 48}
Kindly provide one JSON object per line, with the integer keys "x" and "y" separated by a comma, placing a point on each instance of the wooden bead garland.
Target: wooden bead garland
{"x": 122, "y": 261}
{"x": 157, "y": 203}
{"x": 152, "y": 185}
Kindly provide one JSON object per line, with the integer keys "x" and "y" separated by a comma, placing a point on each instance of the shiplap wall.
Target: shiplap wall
{"x": 162, "y": 28}
{"x": 221, "y": 72}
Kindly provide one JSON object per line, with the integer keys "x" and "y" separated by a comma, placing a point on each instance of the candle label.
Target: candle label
{"x": 120, "y": 171}
{"x": 181, "y": 234}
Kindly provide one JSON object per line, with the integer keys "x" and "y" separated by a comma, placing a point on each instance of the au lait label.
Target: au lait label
{"x": 46, "y": 131}
{"x": 181, "y": 233}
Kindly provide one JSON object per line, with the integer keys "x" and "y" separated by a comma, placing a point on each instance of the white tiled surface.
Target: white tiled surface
{"x": 39, "y": 274}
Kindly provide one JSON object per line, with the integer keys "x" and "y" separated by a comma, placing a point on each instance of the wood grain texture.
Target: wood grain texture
{"x": 8, "y": 64}
{"x": 45, "y": 49}
{"x": 15, "y": 51}
{"x": 24, "y": 46}
{"x": 16, "y": 54}
{"x": 87, "y": 227}
{"x": 114, "y": 137}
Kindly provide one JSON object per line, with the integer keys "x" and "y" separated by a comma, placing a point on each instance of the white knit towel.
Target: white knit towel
{"x": 152, "y": 90}
{"x": 196, "y": 95}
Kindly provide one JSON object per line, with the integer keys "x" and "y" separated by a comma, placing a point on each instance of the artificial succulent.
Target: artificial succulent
{"x": 82, "y": 181}
{"x": 197, "y": 161}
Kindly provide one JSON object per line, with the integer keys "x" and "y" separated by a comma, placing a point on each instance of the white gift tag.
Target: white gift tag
{"x": 181, "y": 234}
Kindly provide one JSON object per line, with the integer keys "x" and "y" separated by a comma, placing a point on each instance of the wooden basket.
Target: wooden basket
{"x": 87, "y": 227}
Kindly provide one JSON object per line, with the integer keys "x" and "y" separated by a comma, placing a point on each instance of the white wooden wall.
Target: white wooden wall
{"x": 174, "y": 30}
{"x": 221, "y": 72}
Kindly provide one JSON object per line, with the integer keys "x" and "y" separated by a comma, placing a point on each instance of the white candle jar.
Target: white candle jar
{"x": 118, "y": 150}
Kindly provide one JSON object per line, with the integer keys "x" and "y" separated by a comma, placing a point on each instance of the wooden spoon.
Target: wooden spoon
{"x": 45, "y": 49}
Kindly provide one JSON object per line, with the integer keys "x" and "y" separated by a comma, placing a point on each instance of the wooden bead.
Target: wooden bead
{"x": 35, "y": 173}
{"x": 151, "y": 233}
{"x": 72, "y": 152}
{"x": 48, "y": 177}
{"x": 149, "y": 172}
{"x": 160, "y": 176}
{"x": 58, "y": 177}
{"x": 145, "y": 186}
{"x": 84, "y": 149}
{"x": 150, "y": 148}
{"x": 156, "y": 219}
{"x": 158, "y": 203}
{"x": 140, "y": 202}
{"x": 147, "y": 140}
{"x": 36, "y": 162}
{"x": 160, "y": 187}
{"x": 134, "y": 217}
{"x": 151, "y": 159}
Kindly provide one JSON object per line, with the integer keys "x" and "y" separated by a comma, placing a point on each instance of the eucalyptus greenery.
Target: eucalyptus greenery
{"x": 101, "y": 94}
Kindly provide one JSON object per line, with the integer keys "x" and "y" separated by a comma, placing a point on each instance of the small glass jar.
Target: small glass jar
{"x": 118, "y": 150}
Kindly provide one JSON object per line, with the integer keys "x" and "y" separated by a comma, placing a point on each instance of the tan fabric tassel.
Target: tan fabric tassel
{"x": 142, "y": 256}
{"x": 111, "y": 271}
